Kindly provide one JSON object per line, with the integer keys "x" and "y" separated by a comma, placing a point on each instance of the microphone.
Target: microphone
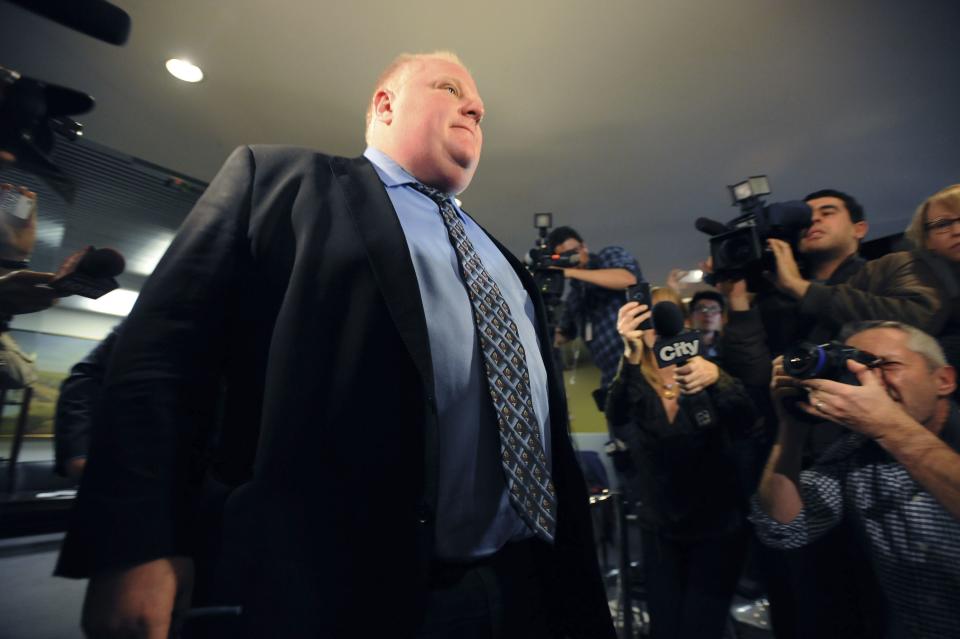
{"x": 674, "y": 346}
{"x": 89, "y": 272}
{"x": 710, "y": 227}
{"x": 96, "y": 18}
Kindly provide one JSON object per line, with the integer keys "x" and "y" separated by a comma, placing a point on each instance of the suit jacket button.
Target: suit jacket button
{"x": 424, "y": 514}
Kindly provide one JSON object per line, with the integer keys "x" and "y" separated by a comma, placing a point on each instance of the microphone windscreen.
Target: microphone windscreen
{"x": 96, "y": 18}
{"x": 667, "y": 319}
{"x": 102, "y": 262}
{"x": 710, "y": 227}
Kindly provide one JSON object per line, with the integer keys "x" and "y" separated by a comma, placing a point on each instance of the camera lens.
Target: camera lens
{"x": 805, "y": 361}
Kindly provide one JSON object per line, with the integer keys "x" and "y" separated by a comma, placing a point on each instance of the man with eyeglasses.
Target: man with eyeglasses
{"x": 706, "y": 315}
{"x": 824, "y": 287}
{"x": 894, "y": 475}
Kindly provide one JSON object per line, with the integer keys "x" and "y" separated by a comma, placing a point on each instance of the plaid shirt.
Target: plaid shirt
{"x": 914, "y": 541}
{"x": 591, "y": 312}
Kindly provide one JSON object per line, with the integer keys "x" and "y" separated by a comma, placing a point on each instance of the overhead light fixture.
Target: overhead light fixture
{"x": 184, "y": 70}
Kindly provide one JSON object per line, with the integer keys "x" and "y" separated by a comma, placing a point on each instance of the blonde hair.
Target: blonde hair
{"x": 397, "y": 72}
{"x": 948, "y": 197}
{"x": 648, "y": 361}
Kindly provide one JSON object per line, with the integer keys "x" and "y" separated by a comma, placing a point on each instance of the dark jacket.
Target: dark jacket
{"x": 79, "y": 394}
{"x": 291, "y": 288}
{"x": 898, "y": 286}
{"x": 687, "y": 479}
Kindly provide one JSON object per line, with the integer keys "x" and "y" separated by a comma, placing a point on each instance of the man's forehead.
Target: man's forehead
{"x": 882, "y": 342}
{"x": 827, "y": 202}
{"x": 432, "y": 68}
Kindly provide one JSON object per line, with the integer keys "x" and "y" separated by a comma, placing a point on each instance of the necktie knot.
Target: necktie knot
{"x": 436, "y": 195}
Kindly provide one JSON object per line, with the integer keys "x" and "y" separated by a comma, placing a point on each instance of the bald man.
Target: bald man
{"x": 345, "y": 323}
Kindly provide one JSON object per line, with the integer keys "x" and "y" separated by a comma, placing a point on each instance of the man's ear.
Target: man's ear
{"x": 383, "y": 106}
{"x": 860, "y": 229}
{"x": 946, "y": 380}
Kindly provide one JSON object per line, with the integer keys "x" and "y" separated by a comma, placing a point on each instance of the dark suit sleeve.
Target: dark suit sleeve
{"x": 161, "y": 388}
{"x": 79, "y": 393}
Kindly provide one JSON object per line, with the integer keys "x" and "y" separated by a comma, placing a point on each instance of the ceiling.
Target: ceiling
{"x": 625, "y": 118}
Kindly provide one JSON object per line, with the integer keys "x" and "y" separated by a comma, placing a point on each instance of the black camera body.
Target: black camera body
{"x": 739, "y": 248}
{"x": 544, "y": 265}
{"x": 825, "y": 361}
{"x": 821, "y": 361}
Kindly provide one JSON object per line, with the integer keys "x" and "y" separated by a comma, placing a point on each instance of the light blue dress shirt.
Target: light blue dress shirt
{"x": 474, "y": 516}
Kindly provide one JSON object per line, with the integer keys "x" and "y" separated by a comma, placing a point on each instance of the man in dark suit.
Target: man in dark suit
{"x": 315, "y": 308}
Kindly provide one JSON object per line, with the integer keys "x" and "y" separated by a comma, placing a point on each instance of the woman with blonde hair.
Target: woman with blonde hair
{"x": 678, "y": 424}
{"x": 935, "y": 233}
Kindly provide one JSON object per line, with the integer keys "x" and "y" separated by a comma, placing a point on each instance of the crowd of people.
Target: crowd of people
{"x": 202, "y": 427}
{"x": 852, "y": 481}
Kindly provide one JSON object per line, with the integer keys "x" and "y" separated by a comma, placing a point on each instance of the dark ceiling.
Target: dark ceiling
{"x": 626, "y": 119}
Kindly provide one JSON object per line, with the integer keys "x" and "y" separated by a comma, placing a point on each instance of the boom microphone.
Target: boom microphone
{"x": 673, "y": 345}
{"x": 96, "y": 18}
{"x": 667, "y": 318}
{"x": 89, "y": 272}
{"x": 710, "y": 227}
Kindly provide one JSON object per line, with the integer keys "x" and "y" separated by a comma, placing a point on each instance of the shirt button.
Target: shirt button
{"x": 424, "y": 513}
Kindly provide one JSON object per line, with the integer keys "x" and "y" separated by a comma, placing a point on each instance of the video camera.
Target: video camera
{"x": 739, "y": 247}
{"x": 545, "y": 266}
{"x": 32, "y": 112}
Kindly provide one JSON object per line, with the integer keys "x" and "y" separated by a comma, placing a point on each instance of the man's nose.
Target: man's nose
{"x": 473, "y": 109}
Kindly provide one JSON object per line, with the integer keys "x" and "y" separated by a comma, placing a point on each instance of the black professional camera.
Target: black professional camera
{"x": 821, "y": 361}
{"x": 544, "y": 265}
{"x": 825, "y": 361}
{"x": 739, "y": 248}
{"x": 34, "y": 112}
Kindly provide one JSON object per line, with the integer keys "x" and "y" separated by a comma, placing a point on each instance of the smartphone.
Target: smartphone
{"x": 640, "y": 292}
{"x": 16, "y": 203}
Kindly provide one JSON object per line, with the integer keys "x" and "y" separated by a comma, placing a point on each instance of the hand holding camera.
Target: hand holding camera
{"x": 866, "y": 408}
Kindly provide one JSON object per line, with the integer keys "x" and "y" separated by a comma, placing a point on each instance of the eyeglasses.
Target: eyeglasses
{"x": 941, "y": 226}
{"x": 707, "y": 310}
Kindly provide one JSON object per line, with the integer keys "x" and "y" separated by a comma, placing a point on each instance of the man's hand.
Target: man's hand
{"x": 674, "y": 277}
{"x": 789, "y": 388}
{"x": 26, "y": 292}
{"x": 738, "y": 298}
{"x": 559, "y": 339}
{"x": 788, "y": 278}
{"x": 866, "y": 409}
{"x": 629, "y": 318}
{"x": 145, "y": 601}
{"x": 697, "y": 375}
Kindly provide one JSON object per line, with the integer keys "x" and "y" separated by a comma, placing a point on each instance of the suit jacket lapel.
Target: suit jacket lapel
{"x": 389, "y": 256}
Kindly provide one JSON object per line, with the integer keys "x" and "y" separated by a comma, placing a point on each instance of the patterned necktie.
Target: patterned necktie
{"x": 521, "y": 449}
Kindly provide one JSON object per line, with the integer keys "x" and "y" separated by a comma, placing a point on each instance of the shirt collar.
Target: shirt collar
{"x": 391, "y": 173}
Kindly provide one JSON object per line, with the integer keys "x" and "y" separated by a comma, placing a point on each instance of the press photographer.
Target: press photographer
{"x": 894, "y": 475}
{"x": 818, "y": 287}
{"x": 597, "y": 282}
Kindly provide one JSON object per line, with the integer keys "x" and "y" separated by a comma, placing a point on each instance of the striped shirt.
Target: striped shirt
{"x": 913, "y": 540}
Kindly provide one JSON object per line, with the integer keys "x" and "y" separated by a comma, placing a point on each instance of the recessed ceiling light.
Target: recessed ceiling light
{"x": 183, "y": 70}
